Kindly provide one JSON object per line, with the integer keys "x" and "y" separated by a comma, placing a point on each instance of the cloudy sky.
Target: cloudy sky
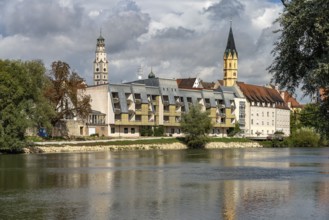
{"x": 177, "y": 38}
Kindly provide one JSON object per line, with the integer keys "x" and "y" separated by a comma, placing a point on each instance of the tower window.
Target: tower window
{"x": 229, "y": 65}
{"x": 234, "y": 74}
{"x": 97, "y": 69}
{"x": 104, "y": 69}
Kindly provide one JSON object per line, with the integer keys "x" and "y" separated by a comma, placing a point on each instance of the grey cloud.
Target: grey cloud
{"x": 124, "y": 29}
{"x": 225, "y": 9}
{"x": 37, "y": 18}
{"x": 175, "y": 33}
{"x": 126, "y": 5}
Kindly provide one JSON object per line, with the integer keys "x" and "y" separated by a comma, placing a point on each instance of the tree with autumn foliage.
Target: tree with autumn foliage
{"x": 65, "y": 92}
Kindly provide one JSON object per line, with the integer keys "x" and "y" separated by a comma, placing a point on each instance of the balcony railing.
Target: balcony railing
{"x": 138, "y": 101}
{"x": 117, "y": 110}
{"x": 166, "y": 103}
{"x": 115, "y": 100}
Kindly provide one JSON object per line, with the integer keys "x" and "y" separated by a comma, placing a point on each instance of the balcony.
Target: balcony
{"x": 138, "y": 101}
{"x": 117, "y": 110}
{"x": 131, "y": 111}
{"x": 221, "y": 106}
{"x": 165, "y": 103}
{"x": 129, "y": 101}
{"x": 115, "y": 100}
{"x": 179, "y": 103}
{"x": 223, "y": 115}
{"x": 208, "y": 105}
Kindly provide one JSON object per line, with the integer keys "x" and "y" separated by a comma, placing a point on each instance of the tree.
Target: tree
{"x": 22, "y": 104}
{"x": 65, "y": 92}
{"x": 196, "y": 126}
{"x": 301, "y": 54}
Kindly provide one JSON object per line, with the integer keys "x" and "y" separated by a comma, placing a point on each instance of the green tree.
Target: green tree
{"x": 196, "y": 125}
{"x": 22, "y": 103}
{"x": 65, "y": 92}
{"x": 301, "y": 54}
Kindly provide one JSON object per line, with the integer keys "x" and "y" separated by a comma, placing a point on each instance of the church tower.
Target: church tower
{"x": 230, "y": 61}
{"x": 101, "y": 63}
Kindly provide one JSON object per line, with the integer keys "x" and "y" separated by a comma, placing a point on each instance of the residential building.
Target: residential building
{"x": 124, "y": 109}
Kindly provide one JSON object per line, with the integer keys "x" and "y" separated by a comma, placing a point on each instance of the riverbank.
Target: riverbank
{"x": 161, "y": 146}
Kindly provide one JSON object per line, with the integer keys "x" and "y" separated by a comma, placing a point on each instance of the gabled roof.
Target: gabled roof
{"x": 186, "y": 83}
{"x": 288, "y": 98}
{"x": 207, "y": 85}
{"x": 255, "y": 93}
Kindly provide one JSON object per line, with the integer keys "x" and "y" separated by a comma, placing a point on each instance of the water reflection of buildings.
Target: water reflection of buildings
{"x": 171, "y": 184}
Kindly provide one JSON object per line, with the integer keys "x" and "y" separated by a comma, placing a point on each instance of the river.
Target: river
{"x": 167, "y": 184}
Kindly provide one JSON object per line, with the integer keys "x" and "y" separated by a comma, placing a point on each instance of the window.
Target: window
{"x": 178, "y": 130}
{"x": 173, "y": 131}
{"x": 132, "y": 130}
{"x": 272, "y": 122}
{"x": 81, "y": 130}
{"x": 263, "y": 114}
{"x": 252, "y": 132}
{"x": 112, "y": 130}
{"x": 252, "y": 121}
{"x": 125, "y": 130}
{"x": 268, "y": 114}
{"x": 234, "y": 74}
{"x": 229, "y": 65}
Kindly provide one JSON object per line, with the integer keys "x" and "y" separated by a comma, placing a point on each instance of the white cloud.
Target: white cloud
{"x": 176, "y": 38}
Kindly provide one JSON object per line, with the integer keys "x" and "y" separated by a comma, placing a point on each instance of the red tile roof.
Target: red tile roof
{"x": 185, "y": 83}
{"x": 255, "y": 93}
{"x": 288, "y": 98}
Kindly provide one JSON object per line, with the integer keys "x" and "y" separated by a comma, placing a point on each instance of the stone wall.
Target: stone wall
{"x": 174, "y": 146}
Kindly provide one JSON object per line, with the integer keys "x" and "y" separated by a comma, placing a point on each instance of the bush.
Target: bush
{"x": 196, "y": 142}
{"x": 146, "y": 131}
{"x": 158, "y": 131}
{"x": 304, "y": 137}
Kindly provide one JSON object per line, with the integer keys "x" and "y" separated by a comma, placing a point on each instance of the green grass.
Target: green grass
{"x": 228, "y": 140}
{"x": 132, "y": 142}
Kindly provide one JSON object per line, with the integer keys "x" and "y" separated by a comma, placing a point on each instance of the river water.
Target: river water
{"x": 167, "y": 184}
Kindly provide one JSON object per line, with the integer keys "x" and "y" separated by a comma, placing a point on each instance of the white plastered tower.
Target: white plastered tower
{"x": 101, "y": 63}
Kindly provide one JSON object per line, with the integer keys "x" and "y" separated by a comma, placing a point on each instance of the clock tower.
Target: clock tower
{"x": 101, "y": 63}
{"x": 230, "y": 61}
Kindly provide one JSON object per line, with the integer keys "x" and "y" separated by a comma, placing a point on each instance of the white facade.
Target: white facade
{"x": 283, "y": 121}
{"x": 100, "y": 63}
{"x": 262, "y": 120}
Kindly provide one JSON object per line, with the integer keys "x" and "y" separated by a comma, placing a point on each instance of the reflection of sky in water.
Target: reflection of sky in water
{"x": 209, "y": 184}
